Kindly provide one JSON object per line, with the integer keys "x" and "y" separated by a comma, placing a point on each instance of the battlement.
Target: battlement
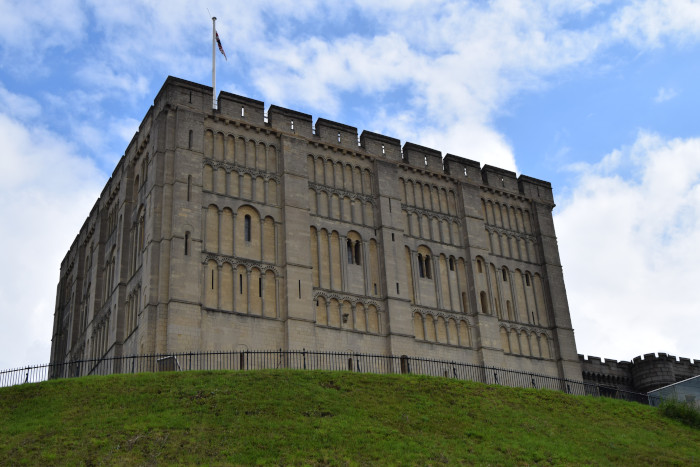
{"x": 248, "y": 111}
{"x": 644, "y": 372}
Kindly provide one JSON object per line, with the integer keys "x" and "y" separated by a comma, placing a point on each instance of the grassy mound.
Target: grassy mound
{"x": 336, "y": 418}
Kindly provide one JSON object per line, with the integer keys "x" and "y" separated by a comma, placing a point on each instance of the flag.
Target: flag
{"x": 221, "y": 49}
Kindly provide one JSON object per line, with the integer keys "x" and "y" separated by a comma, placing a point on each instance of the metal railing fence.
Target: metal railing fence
{"x": 309, "y": 360}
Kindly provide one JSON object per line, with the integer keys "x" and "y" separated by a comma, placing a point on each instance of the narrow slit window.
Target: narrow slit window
{"x": 349, "y": 251}
{"x": 428, "y": 273}
{"x": 505, "y": 275}
{"x": 452, "y": 264}
{"x": 465, "y": 172}
{"x": 339, "y": 137}
{"x": 242, "y": 111}
{"x": 392, "y": 237}
{"x": 259, "y": 286}
{"x": 246, "y": 227}
{"x": 291, "y": 125}
{"x": 375, "y": 288}
{"x": 425, "y": 160}
{"x": 421, "y": 271}
{"x": 299, "y": 288}
{"x": 383, "y": 150}
{"x": 212, "y": 279}
{"x": 187, "y": 242}
{"x": 189, "y": 187}
{"x": 527, "y": 280}
{"x": 240, "y": 284}
{"x": 397, "y": 288}
{"x": 478, "y": 265}
{"x": 358, "y": 252}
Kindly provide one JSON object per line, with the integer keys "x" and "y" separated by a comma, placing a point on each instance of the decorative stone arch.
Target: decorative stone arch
{"x": 505, "y": 341}
{"x": 248, "y": 235}
{"x": 418, "y": 326}
{"x": 208, "y": 143}
{"x": 425, "y": 267}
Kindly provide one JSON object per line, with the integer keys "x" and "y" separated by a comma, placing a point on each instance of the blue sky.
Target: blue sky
{"x": 598, "y": 97}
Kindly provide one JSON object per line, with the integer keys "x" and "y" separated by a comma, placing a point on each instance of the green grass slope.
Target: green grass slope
{"x": 321, "y": 418}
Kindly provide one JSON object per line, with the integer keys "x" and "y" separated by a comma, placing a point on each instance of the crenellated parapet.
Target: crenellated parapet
{"x": 244, "y": 111}
{"x": 642, "y": 374}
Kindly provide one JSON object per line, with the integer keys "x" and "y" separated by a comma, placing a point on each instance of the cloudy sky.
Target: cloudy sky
{"x": 599, "y": 97}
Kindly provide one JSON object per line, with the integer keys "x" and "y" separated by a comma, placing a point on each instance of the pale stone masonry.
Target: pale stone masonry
{"x": 233, "y": 229}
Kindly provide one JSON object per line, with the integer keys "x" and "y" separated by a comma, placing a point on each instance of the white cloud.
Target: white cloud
{"x": 665, "y": 94}
{"x": 21, "y": 107}
{"x": 45, "y": 192}
{"x": 629, "y": 249}
{"x": 648, "y": 23}
{"x": 29, "y": 29}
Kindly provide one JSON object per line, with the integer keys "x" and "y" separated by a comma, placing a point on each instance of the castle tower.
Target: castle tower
{"x": 233, "y": 229}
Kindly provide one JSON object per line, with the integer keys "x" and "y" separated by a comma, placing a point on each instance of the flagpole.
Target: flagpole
{"x": 213, "y": 61}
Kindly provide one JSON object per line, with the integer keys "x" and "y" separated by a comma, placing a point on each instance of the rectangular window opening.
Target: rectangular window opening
{"x": 259, "y": 286}
{"x": 240, "y": 284}
{"x": 299, "y": 288}
{"x": 242, "y": 111}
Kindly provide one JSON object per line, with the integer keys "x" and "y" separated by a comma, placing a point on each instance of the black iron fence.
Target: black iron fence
{"x": 309, "y": 360}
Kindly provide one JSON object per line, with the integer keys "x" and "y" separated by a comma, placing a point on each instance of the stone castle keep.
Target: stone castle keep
{"x": 237, "y": 229}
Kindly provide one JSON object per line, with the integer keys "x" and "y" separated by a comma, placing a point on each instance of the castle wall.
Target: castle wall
{"x": 642, "y": 374}
{"x": 226, "y": 230}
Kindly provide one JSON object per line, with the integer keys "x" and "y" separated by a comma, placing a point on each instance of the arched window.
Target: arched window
{"x": 421, "y": 270}
{"x": 358, "y": 253}
{"x": 428, "y": 273}
{"x": 478, "y": 266}
{"x": 246, "y": 227}
{"x": 505, "y": 275}
{"x": 484, "y": 303}
{"x": 452, "y": 263}
{"x": 349, "y": 251}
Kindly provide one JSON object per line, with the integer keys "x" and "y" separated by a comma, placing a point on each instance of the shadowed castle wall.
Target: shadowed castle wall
{"x": 642, "y": 374}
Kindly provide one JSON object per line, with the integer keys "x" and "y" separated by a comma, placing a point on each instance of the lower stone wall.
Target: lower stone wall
{"x": 642, "y": 374}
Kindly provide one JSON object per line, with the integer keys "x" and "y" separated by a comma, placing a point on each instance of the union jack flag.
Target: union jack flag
{"x": 221, "y": 49}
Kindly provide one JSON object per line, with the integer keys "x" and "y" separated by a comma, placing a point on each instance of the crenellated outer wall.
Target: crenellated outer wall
{"x": 642, "y": 374}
